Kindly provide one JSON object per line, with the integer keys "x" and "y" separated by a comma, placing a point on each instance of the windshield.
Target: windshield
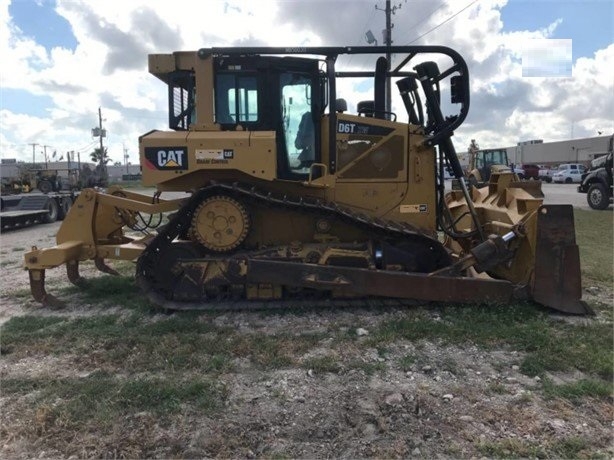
{"x": 491, "y": 157}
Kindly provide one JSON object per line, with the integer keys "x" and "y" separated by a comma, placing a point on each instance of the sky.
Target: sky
{"x": 539, "y": 69}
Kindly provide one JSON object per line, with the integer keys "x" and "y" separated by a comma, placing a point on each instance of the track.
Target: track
{"x": 167, "y": 270}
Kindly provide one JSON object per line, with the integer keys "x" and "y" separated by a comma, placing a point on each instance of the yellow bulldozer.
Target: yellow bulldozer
{"x": 297, "y": 199}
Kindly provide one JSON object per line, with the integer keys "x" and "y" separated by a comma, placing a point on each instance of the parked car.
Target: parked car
{"x": 568, "y": 173}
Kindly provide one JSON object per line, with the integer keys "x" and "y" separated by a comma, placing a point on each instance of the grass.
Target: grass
{"x": 570, "y": 447}
{"x": 135, "y": 344}
{"x": 110, "y": 290}
{"x": 103, "y": 398}
{"x": 322, "y": 364}
{"x": 548, "y": 345}
{"x": 576, "y": 390}
{"x": 594, "y": 236}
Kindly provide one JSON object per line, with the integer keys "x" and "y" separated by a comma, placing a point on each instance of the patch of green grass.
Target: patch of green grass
{"x": 406, "y": 362}
{"x": 23, "y": 293}
{"x": 576, "y": 390}
{"x": 268, "y": 352}
{"x": 137, "y": 344}
{"x": 322, "y": 364}
{"x": 23, "y": 326}
{"x": 511, "y": 448}
{"x": 496, "y": 388}
{"x": 514, "y": 448}
{"x": 18, "y": 249}
{"x": 595, "y": 237}
{"x": 547, "y": 345}
{"x": 111, "y": 290}
{"x": 369, "y": 368}
{"x": 5, "y": 263}
{"x": 104, "y": 398}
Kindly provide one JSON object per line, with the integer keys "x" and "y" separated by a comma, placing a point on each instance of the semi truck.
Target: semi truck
{"x": 25, "y": 209}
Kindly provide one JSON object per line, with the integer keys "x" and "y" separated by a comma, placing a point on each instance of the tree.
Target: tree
{"x": 95, "y": 156}
{"x": 101, "y": 176}
{"x": 117, "y": 163}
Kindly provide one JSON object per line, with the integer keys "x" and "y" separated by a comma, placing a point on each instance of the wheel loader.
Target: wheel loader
{"x": 298, "y": 198}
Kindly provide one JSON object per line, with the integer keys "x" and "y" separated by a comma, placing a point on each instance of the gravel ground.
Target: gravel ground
{"x": 452, "y": 401}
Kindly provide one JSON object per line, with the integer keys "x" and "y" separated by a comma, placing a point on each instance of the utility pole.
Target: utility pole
{"x": 388, "y": 42}
{"x": 101, "y": 133}
{"x": 126, "y": 158}
{"x": 34, "y": 145}
{"x": 100, "y": 128}
{"x": 45, "y": 153}
{"x": 387, "y": 35}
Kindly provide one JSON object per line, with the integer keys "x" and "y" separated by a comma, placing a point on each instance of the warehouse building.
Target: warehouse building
{"x": 553, "y": 153}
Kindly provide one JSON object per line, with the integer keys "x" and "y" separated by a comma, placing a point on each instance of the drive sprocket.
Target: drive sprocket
{"x": 220, "y": 223}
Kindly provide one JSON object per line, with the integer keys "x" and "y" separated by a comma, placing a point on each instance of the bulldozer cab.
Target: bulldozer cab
{"x": 282, "y": 95}
{"x": 272, "y": 117}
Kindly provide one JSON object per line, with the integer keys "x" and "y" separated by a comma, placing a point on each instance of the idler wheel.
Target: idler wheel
{"x": 220, "y": 223}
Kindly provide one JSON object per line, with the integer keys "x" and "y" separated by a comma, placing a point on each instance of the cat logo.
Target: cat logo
{"x": 167, "y": 158}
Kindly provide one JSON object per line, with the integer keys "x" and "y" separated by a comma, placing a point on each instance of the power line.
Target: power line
{"x": 424, "y": 18}
{"x": 442, "y": 23}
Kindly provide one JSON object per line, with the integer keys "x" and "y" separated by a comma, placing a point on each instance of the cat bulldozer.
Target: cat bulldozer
{"x": 298, "y": 198}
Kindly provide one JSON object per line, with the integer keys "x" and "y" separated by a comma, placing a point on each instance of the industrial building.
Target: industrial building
{"x": 554, "y": 153}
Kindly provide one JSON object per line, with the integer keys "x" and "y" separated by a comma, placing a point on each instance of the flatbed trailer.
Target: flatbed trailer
{"x": 32, "y": 208}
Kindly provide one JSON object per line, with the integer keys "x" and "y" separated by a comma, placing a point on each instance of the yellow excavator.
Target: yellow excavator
{"x": 297, "y": 197}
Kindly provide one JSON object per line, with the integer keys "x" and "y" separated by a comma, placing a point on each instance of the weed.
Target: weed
{"x": 511, "y": 448}
{"x": 496, "y": 388}
{"x": 18, "y": 249}
{"x": 514, "y": 448}
{"x": 369, "y": 368}
{"x": 525, "y": 398}
{"x": 582, "y": 388}
{"x": 406, "y": 362}
{"x": 569, "y": 447}
{"x": 322, "y": 364}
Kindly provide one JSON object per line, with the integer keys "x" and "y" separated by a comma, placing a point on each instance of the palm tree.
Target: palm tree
{"x": 95, "y": 156}
{"x": 101, "y": 176}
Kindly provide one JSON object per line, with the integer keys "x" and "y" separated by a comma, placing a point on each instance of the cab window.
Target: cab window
{"x": 236, "y": 99}
{"x": 298, "y": 120}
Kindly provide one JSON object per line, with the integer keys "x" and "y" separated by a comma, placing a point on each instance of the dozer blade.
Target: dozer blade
{"x": 557, "y": 280}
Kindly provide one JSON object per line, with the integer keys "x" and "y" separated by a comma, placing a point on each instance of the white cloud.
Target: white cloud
{"x": 108, "y": 68}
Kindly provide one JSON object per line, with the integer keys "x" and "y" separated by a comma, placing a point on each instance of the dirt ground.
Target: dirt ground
{"x": 455, "y": 401}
